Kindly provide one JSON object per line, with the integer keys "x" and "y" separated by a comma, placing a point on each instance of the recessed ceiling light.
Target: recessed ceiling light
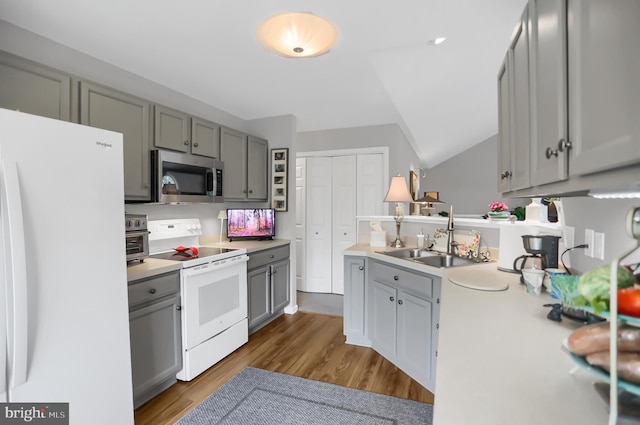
{"x": 436, "y": 41}
{"x": 297, "y": 34}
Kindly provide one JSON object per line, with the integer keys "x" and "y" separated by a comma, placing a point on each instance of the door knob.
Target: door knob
{"x": 550, "y": 152}
{"x": 391, "y": 299}
{"x": 400, "y": 302}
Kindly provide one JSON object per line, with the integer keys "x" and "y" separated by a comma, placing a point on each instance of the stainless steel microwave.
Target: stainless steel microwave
{"x": 183, "y": 178}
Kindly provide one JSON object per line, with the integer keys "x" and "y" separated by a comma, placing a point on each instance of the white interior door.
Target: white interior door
{"x": 300, "y": 223}
{"x": 370, "y": 185}
{"x": 318, "y": 224}
{"x": 344, "y": 216}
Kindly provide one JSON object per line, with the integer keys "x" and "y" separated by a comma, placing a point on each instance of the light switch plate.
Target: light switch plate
{"x": 598, "y": 246}
{"x": 589, "y": 239}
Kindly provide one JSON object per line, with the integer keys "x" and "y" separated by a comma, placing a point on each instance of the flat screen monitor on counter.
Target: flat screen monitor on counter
{"x": 251, "y": 223}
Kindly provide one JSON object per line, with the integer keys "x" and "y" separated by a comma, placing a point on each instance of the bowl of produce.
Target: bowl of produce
{"x": 594, "y": 287}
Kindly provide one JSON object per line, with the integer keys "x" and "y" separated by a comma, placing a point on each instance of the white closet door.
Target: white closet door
{"x": 370, "y": 185}
{"x": 318, "y": 225}
{"x": 344, "y": 216}
{"x": 300, "y": 228}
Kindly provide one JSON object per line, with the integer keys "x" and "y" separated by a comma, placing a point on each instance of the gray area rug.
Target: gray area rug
{"x": 256, "y": 396}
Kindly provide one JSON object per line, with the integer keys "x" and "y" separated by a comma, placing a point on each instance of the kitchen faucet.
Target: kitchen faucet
{"x": 451, "y": 244}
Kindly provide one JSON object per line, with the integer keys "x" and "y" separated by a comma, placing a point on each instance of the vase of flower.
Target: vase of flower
{"x": 498, "y": 211}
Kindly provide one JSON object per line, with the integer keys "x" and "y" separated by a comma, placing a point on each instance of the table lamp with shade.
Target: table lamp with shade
{"x": 427, "y": 202}
{"x": 398, "y": 193}
{"x": 222, "y": 216}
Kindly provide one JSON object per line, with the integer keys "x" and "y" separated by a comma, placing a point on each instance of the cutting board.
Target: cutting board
{"x": 482, "y": 280}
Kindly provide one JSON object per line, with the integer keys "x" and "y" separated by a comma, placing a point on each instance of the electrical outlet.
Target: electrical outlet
{"x": 589, "y": 239}
{"x": 598, "y": 246}
{"x": 568, "y": 236}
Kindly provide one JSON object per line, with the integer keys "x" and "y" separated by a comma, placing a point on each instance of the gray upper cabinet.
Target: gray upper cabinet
{"x": 33, "y": 88}
{"x": 180, "y": 132}
{"x": 584, "y": 97}
{"x": 604, "y": 88}
{"x": 245, "y": 166}
{"x": 171, "y": 129}
{"x": 205, "y": 138}
{"x": 257, "y": 160}
{"x": 504, "y": 126}
{"x": 548, "y": 69}
{"x": 519, "y": 106}
{"x": 111, "y": 110}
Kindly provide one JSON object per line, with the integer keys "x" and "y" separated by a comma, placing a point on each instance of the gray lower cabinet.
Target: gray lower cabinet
{"x": 109, "y": 109}
{"x": 355, "y": 324}
{"x": 268, "y": 285}
{"x": 245, "y": 166}
{"x": 34, "y": 88}
{"x": 402, "y": 314}
{"x": 155, "y": 334}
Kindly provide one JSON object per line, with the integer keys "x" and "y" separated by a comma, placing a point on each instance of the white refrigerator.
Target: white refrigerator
{"x": 64, "y": 319}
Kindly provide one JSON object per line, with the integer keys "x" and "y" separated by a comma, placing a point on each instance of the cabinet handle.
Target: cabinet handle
{"x": 564, "y": 144}
{"x": 345, "y": 234}
{"x": 391, "y": 299}
{"x": 400, "y": 302}
{"x": 178, "y": 307}
{"x": 271, "y": 256}
{"x": 195, "y": 145}
{"x": 250, "y": 190}
{"x": 550, "y": 152}
{"x": 244, "y": 191}
{"x": 186, "y": 142}
{"x": 437, "y": 300}
{"x": 396, "y": 278}
{"x": 152, "y": 291}
{"x": 506, "y": 175}
{"x": 361, "y": 268}
{"x": 437, "y": 325}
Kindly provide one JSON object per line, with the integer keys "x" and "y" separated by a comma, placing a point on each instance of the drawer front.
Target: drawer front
{"x": 420, "y": 284}
{"x": 148, "y": 290}
{"x": 267, "y": 256}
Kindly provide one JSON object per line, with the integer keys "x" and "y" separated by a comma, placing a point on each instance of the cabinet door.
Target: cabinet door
{"x": 414, "y": 335}
{"x": 257, "y": 160}
{"x": 548, "y": 72}
{"x": 504, "y": 126}
{"x": 343, "y": 221}
{"x": 279, "y": 285}
{"x": 354, "y": 297}
{"x": 604, "y": 88}
{"x": 318, "y": 228}
{"x": 383, "y": 319}
{"x": 33, "y": 88}
{"x": 259, "y": 306}
{"x": 370, "y": 184}
{"x": 111, "y": 110}
{"x": 519, "y": 106}
{"x": 156, "y": 352}
{"x": 205, "y": 138}
{"x": 171, "y": 129}
{"x": 233, "y": 152}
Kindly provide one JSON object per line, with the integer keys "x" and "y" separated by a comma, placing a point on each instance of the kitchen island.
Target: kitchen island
{"x": 499, "y": 358}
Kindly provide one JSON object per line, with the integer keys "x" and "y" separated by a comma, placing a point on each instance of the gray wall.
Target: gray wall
{"x": 468, "y": 181}
{"x": 402, "y": 157}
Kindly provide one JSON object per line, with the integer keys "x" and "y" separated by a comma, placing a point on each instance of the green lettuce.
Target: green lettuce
{"x": 593, "y": 286}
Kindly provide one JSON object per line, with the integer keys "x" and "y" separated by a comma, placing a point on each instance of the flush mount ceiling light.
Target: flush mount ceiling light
{"x": 297, "y": 34}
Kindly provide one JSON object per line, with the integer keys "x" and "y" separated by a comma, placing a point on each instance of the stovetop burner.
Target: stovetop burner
{"x": 203, "y": 252}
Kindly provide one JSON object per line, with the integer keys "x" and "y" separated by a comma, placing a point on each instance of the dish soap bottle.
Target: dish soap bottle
{"x": 420, "y": 239}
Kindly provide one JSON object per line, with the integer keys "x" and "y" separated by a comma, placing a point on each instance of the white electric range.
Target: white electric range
{"x": 213, "y": 290}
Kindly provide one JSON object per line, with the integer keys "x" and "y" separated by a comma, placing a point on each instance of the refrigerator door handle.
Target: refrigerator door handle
{"x": 18, "y": 325}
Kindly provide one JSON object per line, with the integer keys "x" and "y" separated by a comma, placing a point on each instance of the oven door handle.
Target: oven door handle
{"x": 209, "y": 267}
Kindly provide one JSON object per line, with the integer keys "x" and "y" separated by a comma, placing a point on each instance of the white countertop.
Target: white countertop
{"x": 150, "y": 267}
{"x": 499, "y": 357}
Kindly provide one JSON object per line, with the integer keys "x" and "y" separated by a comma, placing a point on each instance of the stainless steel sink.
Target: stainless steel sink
{"x": 430, "y": 258}
{"x": 445, "y": 261}
{"x": 410, "y": 253}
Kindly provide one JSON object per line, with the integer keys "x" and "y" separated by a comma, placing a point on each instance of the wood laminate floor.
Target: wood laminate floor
{"x": 306, "y": 345}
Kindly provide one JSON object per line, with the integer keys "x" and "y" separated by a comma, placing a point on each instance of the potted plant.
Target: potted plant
{"x": 498, "y": 210}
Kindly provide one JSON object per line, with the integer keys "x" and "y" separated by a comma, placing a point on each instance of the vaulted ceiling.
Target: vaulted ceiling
{"x": 382, "y": 70}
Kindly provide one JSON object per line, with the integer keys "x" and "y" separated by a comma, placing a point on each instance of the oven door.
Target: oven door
{"x": 214, "y": 297}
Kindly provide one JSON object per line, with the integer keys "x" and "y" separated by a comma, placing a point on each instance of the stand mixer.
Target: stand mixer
{"x": 542, "y": 253}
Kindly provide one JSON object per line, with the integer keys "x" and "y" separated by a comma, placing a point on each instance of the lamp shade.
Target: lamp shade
{"x": 428, "y": 199}
{"x": 398, "y": 191}
{"x": 297, "y": 34}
